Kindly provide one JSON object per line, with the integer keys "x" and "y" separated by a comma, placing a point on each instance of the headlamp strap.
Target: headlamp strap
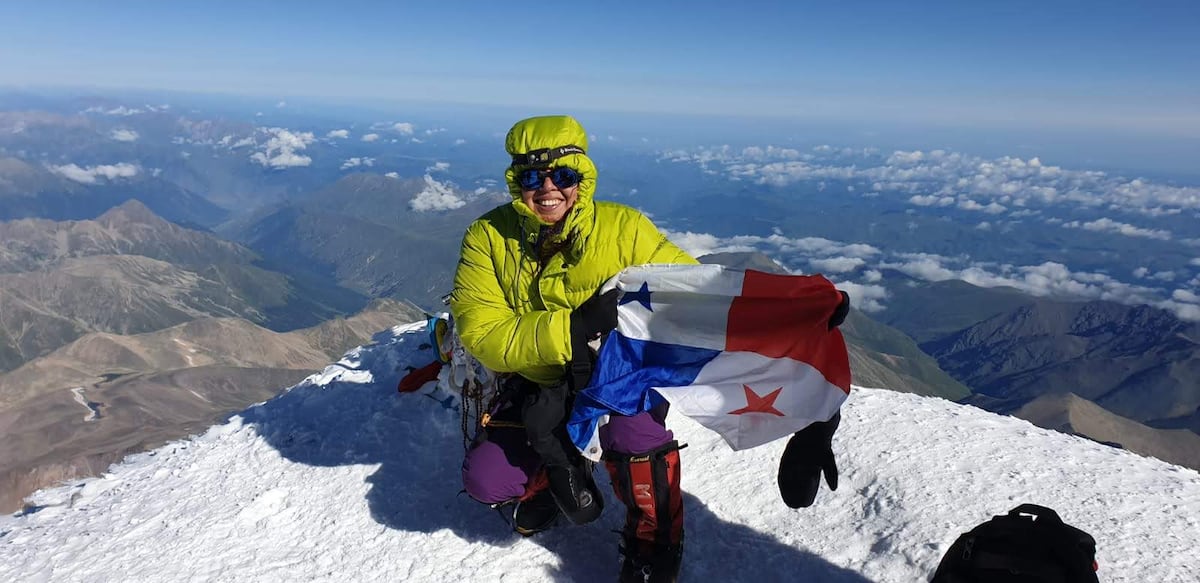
{"x": 545, "y": 156}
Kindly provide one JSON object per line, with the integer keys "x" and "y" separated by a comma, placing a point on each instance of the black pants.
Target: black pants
{"x": 544, "y": 414}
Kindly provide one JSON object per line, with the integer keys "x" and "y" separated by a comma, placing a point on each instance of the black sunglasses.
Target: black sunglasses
{"x": 561, "y": 176}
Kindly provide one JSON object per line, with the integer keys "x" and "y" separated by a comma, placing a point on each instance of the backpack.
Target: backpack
{"x": 1030, "y": 544}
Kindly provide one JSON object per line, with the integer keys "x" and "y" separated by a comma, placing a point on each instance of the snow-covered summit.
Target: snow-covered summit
{"x": 341, "y": 478}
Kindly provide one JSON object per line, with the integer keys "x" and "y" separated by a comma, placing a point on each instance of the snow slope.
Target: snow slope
{"x": 343, "y": 479}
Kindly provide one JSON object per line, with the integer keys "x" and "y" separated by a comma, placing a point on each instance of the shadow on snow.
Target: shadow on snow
{"x": 418, "y": 446}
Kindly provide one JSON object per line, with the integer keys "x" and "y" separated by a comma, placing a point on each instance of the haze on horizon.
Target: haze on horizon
{"x": 1117, "y": 80}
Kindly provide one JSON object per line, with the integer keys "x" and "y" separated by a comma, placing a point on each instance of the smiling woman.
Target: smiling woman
{"x": 525, "y": 303}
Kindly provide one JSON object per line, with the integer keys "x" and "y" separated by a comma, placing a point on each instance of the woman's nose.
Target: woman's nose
{"x": 547, "y": 184}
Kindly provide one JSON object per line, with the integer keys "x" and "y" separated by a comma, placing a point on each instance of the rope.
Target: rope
{"x": 473, "y": 412}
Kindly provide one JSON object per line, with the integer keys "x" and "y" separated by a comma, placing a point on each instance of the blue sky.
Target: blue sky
{"x": 1124, "y": 66}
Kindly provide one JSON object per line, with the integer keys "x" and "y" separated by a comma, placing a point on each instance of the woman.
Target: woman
{"x": 525, "y": 303}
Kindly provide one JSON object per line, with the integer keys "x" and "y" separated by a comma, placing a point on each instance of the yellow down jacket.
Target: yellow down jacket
{"x": 513, "y": 312}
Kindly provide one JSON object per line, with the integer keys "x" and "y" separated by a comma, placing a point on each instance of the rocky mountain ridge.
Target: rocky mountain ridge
{"x": 103, "y": 396}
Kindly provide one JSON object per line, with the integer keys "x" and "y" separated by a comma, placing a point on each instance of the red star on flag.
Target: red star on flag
{"x": 757, "y": 404}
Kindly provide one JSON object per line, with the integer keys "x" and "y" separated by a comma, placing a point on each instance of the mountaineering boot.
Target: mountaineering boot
{"x": 575, "y": 492}
{"x": 643, "y": 563}
{"x": 535, "y": 514}
{"x": 652, "y": 539}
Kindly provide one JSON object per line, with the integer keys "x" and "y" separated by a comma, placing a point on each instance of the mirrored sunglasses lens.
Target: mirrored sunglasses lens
{"x": 564, "y": 177}
{"x": 529, "y": 179}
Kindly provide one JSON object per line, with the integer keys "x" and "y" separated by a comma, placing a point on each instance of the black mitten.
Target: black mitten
{"x": 594, "y": 317}
{"x": 840, "y": 313}
{"x": 808, "y": 453}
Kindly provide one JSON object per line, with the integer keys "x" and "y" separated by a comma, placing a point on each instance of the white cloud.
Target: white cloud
{"x": 1183, "y": 311}
{"x": 699, "y": 244}
{"x": 899, "y": 158}
{"x": 923, "y": 266}
{"x": 370, "y": 137}
{"x": 340, "y": 134}
{"x": 1141, "y": 272}
{"x": 459, "y": 142}
{"x": 1195, "y": 262}
{"x": 123, "y": 135}
{"x": 392, "y": 175}
{"x": 931, "y": 200}
{"x": 1111, "y": 226}
{"x": 836, "y": 264}
{"x": 281, "y": 105}
{"x": 91, "y": 174}
{"x": 437, "y": 196}
{"x": 403, "y": 128}
{"x": 1187, "y": 296}
{"x": 280, "y": 149}
{"x": 356, "y": 162}
{"x": 990, "y": 208}
{"x": 864, "y": 297}
{"x": 120, "y": 110}
{"x": 702, "y": 244}
{"x": 438, "y": 167}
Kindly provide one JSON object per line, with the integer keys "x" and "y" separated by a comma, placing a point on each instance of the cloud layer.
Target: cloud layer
{"x": 281, "y": 148}
{"x": 123, "y": 135}
{"x": 945, "y": 179}
{"x": 93, "y": 174}
{"x": 436, "y": 196}
{"x": 858, "y": 268}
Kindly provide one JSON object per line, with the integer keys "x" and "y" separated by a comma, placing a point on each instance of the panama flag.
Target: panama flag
{"x": 747, "y": 354}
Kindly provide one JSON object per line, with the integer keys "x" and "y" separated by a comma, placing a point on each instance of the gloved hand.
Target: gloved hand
{"x": 594, "y": 317}
{"x": 808, "y": 453}
{"x": 840, "y": 313}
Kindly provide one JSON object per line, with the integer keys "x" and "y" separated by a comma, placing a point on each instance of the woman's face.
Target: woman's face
{"x": 549, "y": 202}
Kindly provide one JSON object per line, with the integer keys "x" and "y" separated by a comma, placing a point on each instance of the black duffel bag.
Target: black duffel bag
{"x": 1030, "y": 544}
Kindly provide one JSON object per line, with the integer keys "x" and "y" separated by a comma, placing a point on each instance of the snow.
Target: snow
{"x": 341, "y": 478}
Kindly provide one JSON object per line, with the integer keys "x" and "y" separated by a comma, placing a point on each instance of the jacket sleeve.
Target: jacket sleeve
{"x": 489, "y": 328}
{"x": 653, "y": 246}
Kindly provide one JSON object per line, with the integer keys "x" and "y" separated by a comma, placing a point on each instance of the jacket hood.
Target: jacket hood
{"x": 547, "y": 133}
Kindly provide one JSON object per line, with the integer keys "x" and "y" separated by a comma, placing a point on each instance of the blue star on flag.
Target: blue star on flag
{"x": 641, "y": 296}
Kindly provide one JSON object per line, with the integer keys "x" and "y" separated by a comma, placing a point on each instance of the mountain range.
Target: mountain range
{"x": 1041, "y": 359}
{"x": 363, "y": 233}
{"x": 1140, "y": 362}
{"x": 74, "y": 411}
{"x": 32, "y": 191}
{"x": 129, "y": 271}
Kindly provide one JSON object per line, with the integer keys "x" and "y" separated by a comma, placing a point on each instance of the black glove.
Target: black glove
{"x": 840, "y": 313}
{"x": 596, "y": 316}
{"x": 808, "y": 452}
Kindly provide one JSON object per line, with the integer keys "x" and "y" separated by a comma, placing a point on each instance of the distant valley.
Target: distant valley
{"x": 129, "y": 271}
{"x": 362, "y": 233}
{"x": 74, "y": 411}
{"x": 1124, "y": 375}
